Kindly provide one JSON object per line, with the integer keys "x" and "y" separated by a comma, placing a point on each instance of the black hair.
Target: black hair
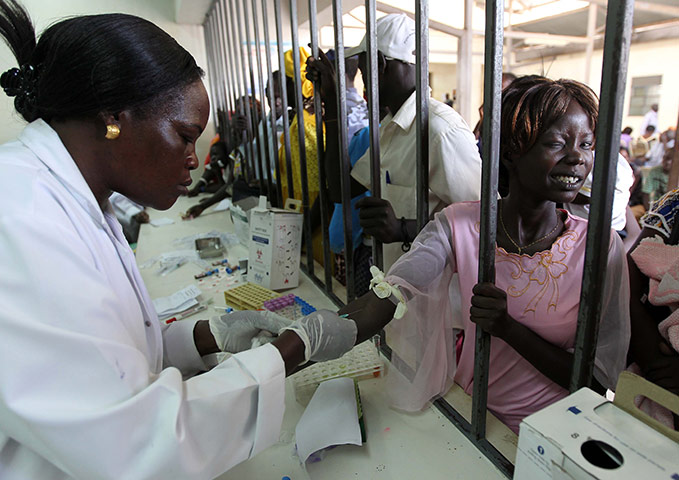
{"x": 351, "y": 66}
{"x": 86, "y": 65}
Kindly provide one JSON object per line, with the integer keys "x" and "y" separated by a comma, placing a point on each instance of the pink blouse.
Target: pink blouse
{"x": 543, "y": 293}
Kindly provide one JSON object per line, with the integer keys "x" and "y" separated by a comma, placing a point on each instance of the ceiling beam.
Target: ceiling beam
{"x": 647, "y": 6}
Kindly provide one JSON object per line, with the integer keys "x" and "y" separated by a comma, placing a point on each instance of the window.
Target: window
{"x": 645, "y": 92}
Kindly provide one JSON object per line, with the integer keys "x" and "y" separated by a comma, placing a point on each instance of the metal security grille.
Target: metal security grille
{"x": 232, "y": 66}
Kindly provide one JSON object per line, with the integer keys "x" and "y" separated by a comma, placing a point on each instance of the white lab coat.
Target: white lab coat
{"x": 86, "y": 386}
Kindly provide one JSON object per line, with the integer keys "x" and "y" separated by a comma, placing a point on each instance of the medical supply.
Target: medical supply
{"x": 248, "y": 296}
{"x": 220, "y": 263}
{"x": 171, "y": 267}
{"x": 585, "y": 436}
{"x": 186, "y": 313}
{"x": 290, "y": 306}
{"x": 274, "y": 248}
{"x": 206, "y": 274}
{"x": 209, "y": 247}
{"x": 360, "y": 363}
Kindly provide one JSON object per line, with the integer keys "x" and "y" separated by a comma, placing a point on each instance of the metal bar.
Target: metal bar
{"x": 613, "y": 79}
{"x": 272, "y": 100}
{"x": 265, "y": 146}
{"x": 492, "y": 99}
{"x": 491, "y": 453}
{"x": 374, "y": 117}
{"x": 343, "y": 151}
{"x": 422, "y": 109}
{"x": 228, "y": 67}
{"x": 211, "y": 61}
{"x": 301, "y": 138}
{"x": 248, "y": 162}
{"x": 284, "y": 98}
{"x": 230, "y": 33}
{"x": 224, "y": 77}
{"x": 323, "y": 192}
{"x": 256, "y": 138}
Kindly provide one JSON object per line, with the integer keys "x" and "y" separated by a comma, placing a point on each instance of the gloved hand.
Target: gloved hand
{"x": 325, "y": 335}
{"x": 235, "y": 332}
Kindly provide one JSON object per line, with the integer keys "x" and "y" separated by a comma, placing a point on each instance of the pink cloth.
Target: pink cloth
{"x": 660, "y": 263}
{"x": 543, "y": 294}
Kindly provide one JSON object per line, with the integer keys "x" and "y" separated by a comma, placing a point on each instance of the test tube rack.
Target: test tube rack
{"x": 289, "y": 306}
{"x": 248, "y": 296}
{"x": 360, "y": 363}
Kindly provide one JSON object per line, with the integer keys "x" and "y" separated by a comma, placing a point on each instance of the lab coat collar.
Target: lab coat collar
{"x": 45, "y": 143}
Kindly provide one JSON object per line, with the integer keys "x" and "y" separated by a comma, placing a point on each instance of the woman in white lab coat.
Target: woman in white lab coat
{"x": 91, "y": 385}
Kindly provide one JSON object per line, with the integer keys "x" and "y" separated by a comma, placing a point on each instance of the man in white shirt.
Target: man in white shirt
{"x": 650, "y": 119}
{"x": 454, "y": 161}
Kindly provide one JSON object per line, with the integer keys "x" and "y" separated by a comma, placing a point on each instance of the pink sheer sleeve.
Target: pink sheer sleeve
{"x": 614, "y": 326}
{"x": 422, "y": 342}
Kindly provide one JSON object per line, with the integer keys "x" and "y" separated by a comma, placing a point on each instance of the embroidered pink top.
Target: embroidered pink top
{"x": 543, "y": 293}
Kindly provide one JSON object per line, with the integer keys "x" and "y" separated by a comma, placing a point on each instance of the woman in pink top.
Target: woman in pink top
{"x": 547, "y": 143}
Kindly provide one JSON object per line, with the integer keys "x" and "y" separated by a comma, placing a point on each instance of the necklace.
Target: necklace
{"x": 518, "y": 247}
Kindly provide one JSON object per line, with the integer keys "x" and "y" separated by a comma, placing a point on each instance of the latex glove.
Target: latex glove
{"x": 325, "y": 335}
{"x": 235, "y": 332}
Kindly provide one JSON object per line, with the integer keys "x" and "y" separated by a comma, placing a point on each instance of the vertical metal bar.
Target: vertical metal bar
{"x": 230, "y": 35}
{"x": 492, "y": 99}
{"x": 323, "y": 192}
{"x": 224, "y": 77}
{"x": 256, "y": 155}
{"x": 422, "y": 109}
{"x": 613, "y": 78}
{"x": 211, "y": 61}
{"x": 284, "y": 98}
{"x": 374, "y": 117}
{"x": 272, "y": 100}
{"x": 247, "y": 92}
{"x": 265, "y": 146}
{"x": 343, "y": 150}
{"x": 301, "y": 138}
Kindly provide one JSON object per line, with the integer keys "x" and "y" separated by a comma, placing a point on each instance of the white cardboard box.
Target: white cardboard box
{"x": 275, "y": 245}
{"x": 559, "y": 442}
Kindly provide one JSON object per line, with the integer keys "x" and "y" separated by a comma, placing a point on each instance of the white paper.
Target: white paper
{"x": 178, "y": 301}
{"x": 158, "y": 222}
{"x": 223, "y": 205}
{"x": 331, "y": 418}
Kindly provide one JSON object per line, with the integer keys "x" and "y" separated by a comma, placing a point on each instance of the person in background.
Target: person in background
{"x": 448, "y": 100}
{"x": 655, "y": 154}
{"x": 454, "y": 162}
{"x": 92, "y": 385}
{"x": 654, "y": 275}
{"x": 357, "y": 108}
{"x": 650, "y": 119}
{"x": 626, "y": 137}
{"x": 655, "y": 180}
{"x": 640, "y": 146}
{"x": 548, "y": 129}
{"x": 212, "y": 178}
{"x": 130, "y": 215}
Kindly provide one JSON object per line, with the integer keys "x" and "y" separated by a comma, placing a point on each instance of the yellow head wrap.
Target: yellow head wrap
{"x": 307, "y": 86}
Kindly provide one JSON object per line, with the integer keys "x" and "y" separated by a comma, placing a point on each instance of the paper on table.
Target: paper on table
{"x": 223, "y": 205}
{"x": 178, "y": 301}
{"x": 158, "y": 222}
{"x": 331, "y": 418}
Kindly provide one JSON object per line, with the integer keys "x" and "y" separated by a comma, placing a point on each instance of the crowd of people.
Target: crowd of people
{"x": 92, "y": 385}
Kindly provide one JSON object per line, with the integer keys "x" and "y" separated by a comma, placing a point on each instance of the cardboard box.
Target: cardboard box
{"x": 275, "y": 245}
{"x": 584, "y": 436}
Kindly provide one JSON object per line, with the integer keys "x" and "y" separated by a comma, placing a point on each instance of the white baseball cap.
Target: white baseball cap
{"x": 395, "y": 38}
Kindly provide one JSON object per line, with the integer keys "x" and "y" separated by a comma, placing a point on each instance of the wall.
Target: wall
{"x": 652, "y": 58}
{"x": 160, "y": 12}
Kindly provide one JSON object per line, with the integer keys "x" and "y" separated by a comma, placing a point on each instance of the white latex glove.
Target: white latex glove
{"x": 325, "y": 334}
{"x": 236, "y": 331}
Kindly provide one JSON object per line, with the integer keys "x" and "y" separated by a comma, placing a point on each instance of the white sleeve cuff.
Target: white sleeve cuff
{"x": 179, "y": 347}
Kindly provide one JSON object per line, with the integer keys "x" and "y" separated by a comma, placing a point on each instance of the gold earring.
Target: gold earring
{"x": 112, "y": 131}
